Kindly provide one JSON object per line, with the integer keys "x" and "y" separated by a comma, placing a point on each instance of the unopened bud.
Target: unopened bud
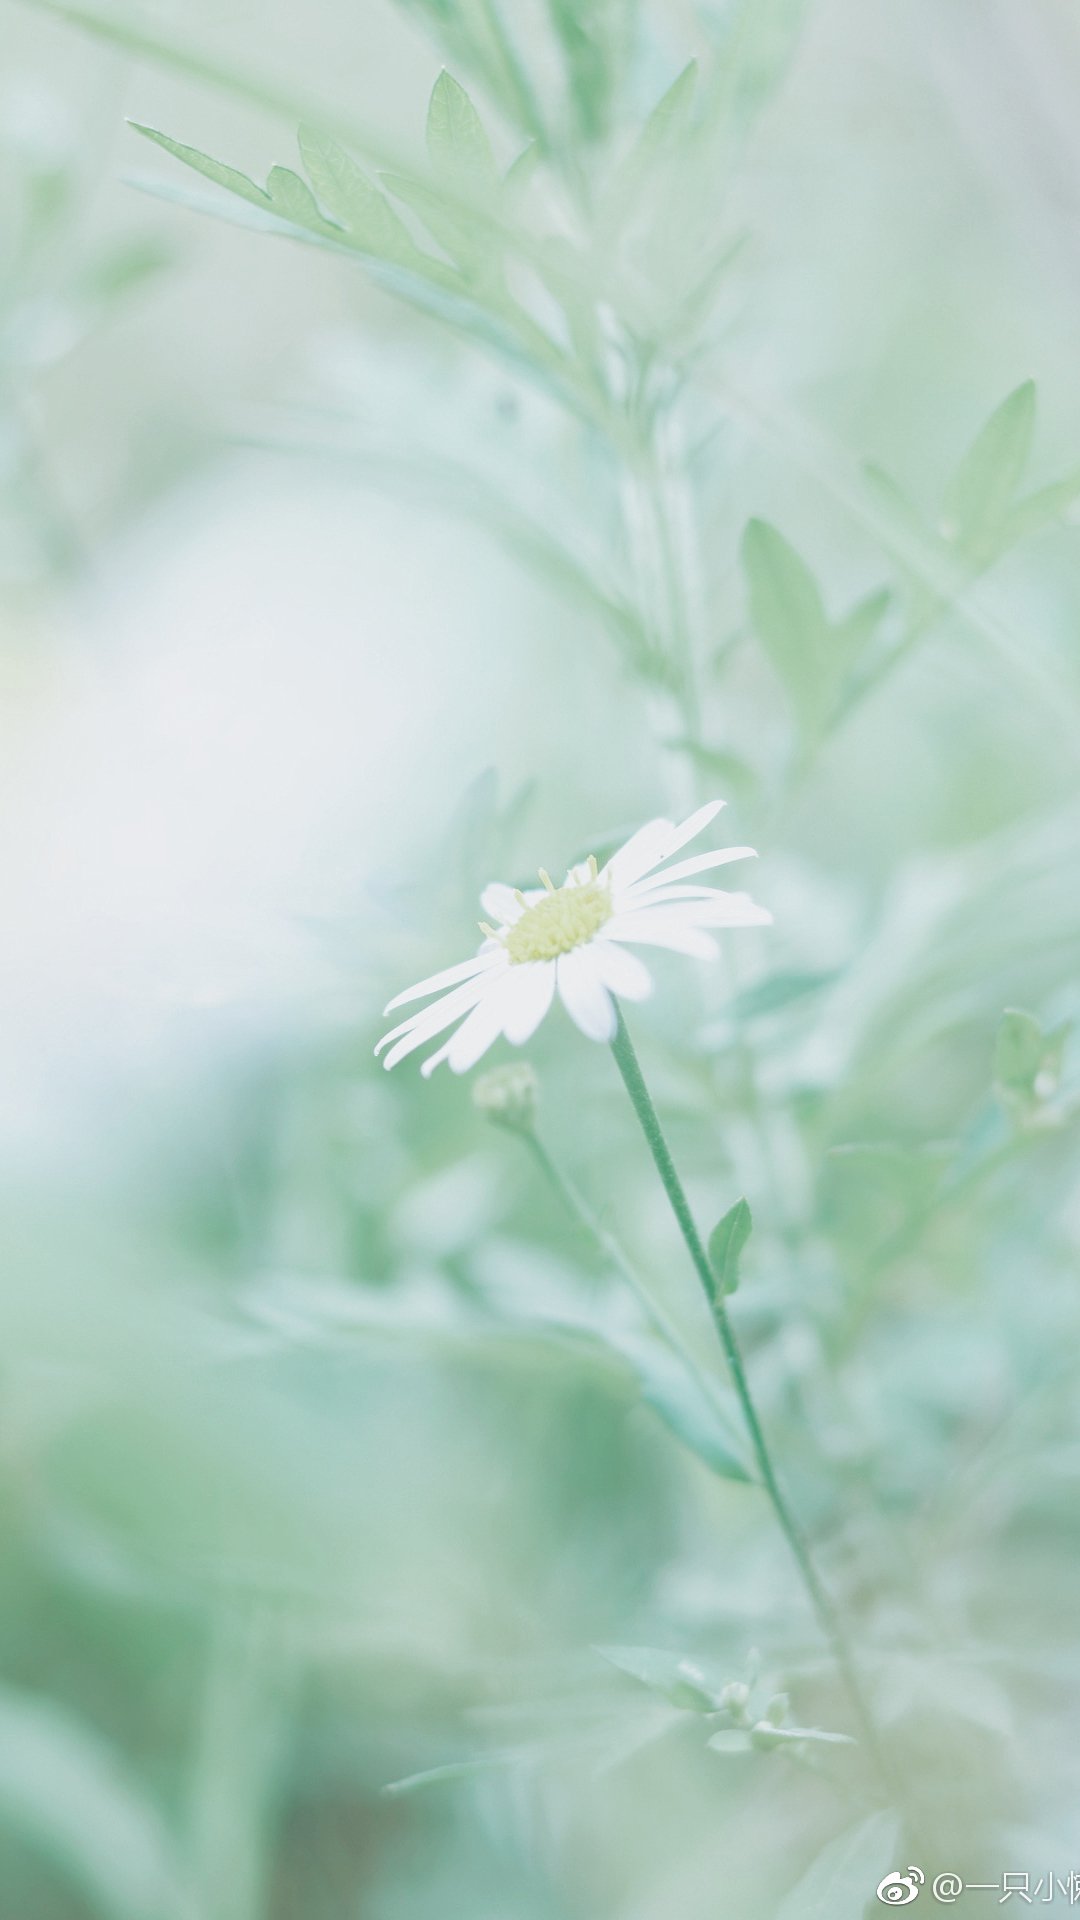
{"x": 507, "y": 1096}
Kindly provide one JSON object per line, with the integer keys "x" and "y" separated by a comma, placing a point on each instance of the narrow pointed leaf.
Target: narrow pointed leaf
{"x": 841, "y": 1882}
{"x": 789, "y": 618}
{"x": 697, "y": 1419}
{"x": 210, "y": 169}
{"x": 986, "y": 481}
{"x": 677, "y": 1679}
{"x": 726, "y": 1244}
{"x": 670, "y": 116}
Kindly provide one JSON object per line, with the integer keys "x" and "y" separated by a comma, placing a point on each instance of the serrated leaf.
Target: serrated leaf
{"x": 470, "y": 241}
{"x": 789, "y": 618}
{"x": 1018, "y": 1051}
{"x": 456, "y": 141}
{"x": 984, "y": 487}
{"x": 841, "y": 1881}
{"x": 688, "y": 1411}
{"x": 726, "y": 1243}
{"x": 671, "y": 1675}
{"x": 344, "y": 189}
{"x": 215, "y": 170}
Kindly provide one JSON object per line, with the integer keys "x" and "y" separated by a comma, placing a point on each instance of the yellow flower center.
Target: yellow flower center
{"x": 565, "y": 918}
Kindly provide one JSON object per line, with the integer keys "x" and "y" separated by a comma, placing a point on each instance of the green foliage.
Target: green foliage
{"x": 332, "y": 1446}
{"x": 810, "y": 654}
{"x": 707, "y": 1422}
{"x": 674, "y": 1678}
{"x": 841, "y": 1880}
{"x": 344, "y": 190}
{"x": 456, "y": 140}
{"x": 983, "y": 489}
{"x": 727, "y": 1243}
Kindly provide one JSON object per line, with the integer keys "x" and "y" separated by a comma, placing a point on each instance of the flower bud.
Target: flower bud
{"x": 507, "y": 1096}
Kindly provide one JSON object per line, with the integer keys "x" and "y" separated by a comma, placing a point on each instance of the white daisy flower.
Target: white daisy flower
{"x": 573, "y": 940}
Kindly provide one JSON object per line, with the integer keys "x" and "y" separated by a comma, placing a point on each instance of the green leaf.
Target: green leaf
{"x": 521, "y": 172}
{"x": 456, "y": 141}
{"x": 64, "y": 1789}
{"x": 214, "y": 170}
{"x": 675, "y": 1678}
{"x": 1040, "y": 509}
{"x": 726, "y": 1243}
{"x": 730, "y": 1740}
{"x": 858, "y": 627}
{"x": 450, "y": 1773}
{"x": 696, "y": 1417}
{"x": 984, "y": 486}
{"x": 898, "y": 518}
{"x": 669, "y": 118}
{"x": 790, "y": 620}
{"x": 765, "y": 1736}
{"x": 842, "y": 1880}
{"x": 344, "y": 189}
{"x": 292, "y": 199}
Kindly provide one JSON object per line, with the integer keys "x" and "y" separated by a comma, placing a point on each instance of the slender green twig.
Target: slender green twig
{"x": 661, "y": 1321}
{"x": 828, "y": 1618}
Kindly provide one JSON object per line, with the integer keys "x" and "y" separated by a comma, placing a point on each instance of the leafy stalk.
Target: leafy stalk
{"x": 627, "y": 1062}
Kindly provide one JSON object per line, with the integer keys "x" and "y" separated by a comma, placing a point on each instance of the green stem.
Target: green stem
{"x": 627, "y": 1062}
{"x": 661, "y": 1321}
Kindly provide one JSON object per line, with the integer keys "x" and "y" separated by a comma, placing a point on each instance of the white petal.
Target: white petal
{"x": 449, "y": 977}
{"x": 652, "y": 893}
{"x": 480, "y": 1031}
{"x": 701, "y": 863}
{"x": 727, "y": 910}
{"x": 501, "y": 903}
{"x": 532, "y": 984}
{"x": 691, "y": 827}
{"x": 431, "y": 1020}
{"x": 584, "y": 994}
{"x": 658, "y": 929}
{"x": 621, "y": 972}
{"x": 642, "y": 851}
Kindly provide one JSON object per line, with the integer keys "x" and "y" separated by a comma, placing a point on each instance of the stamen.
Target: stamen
{"x": 491, "y": 932}
{"x": 547, "y": 880}
{"x": 520, "y": 897}
{"x": 562, "y": 919}
{"x": 593, "y": 868}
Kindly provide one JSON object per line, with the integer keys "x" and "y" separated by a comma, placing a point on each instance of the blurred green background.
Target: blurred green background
{"x": 355, "y": 551}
